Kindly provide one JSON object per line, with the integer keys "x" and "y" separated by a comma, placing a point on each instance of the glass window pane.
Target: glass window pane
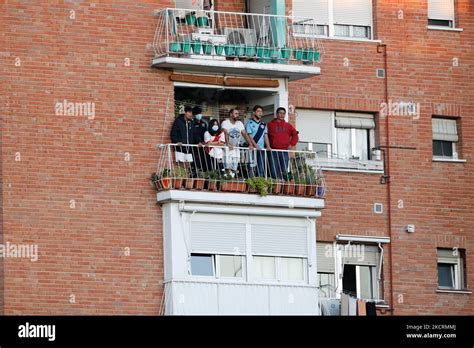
{"x": 264, "y": 267}
{"x": 321, "y": 150}
{"x": 230, "y": 266}
{"x": 366, "y": 284}
{"x": 360, "y": 31}
{"x": 362, "y": 144}
{"x": 342, "y": 30}
{"x": 291, "y": 268}
{"x": 447, "y": 149}
{"x": 343, "y": 143}
{"x": 446, "y": 275}
{"x": 301, "y": 146}
{"x": 437, "y": 148}
{"x": 202, "y": 265}
{"x": 327, "y": 284}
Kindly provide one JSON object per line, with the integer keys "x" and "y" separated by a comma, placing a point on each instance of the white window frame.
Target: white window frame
{"x": 354, "y": 143}
{"x": 458, "y": 276}
{"x": 330, "y": 27}
{"x": 278, "y": 271}
{"x": 216, "y": 268}
{"x": 455, "y": 155}
{"x": 373, "y": 274}
{"x": 213, "y": 258}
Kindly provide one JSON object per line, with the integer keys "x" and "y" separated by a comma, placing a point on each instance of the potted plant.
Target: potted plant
{"x": 321, "y": 190}
{"x": 310, "y": 179}
{"x": 212, "y": 178}
{"x": 277, "y": 187}
{"x": 260, "y": 185}
{"x": 179, "y": 175}
{"x": 162, "y": 181}
{"x": 231, "y": 185}
{"x": 199, "y": 181}
{"x": 289, "y": 184}
{"x": 300, "y": 187}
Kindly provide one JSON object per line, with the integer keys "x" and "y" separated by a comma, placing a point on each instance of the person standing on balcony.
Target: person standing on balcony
{"x": 234, "y": 130}
{"x": 182, "y": 135}
{"x": 199, "y": 128}
{"x": 283, "y": 136}
{"x": 214, "y": 137}
{"x": 258, "y": 133}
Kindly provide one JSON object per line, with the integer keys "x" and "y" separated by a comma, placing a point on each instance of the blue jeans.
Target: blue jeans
{"x": 257, "y": 163}
{"x": 278, "y": 164}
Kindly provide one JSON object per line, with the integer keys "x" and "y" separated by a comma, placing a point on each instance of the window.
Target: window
{"x": 354, "y": 133}
{"x": 451, "y": 269}
{"x": 220, "y": 266}
{"x": 441, "y": 13}
{"x": 445, "y": 138}
{"x": 334, "y": 18}
{"x": 325, "y": 268}
{"x": 358, "y": 281}
{"x": 285, "y": 269}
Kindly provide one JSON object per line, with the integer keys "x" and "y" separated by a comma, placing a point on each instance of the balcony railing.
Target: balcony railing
{"x": 238, "y": 169}
{"x": 237, "y": 36}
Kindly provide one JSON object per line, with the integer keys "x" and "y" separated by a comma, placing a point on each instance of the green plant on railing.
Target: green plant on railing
{"x": 261, "y": 185}
{"x": 155, "y": 178}
{"x": 180, "y": 172}
{"x": 211, "y": 175}
{"x": 288, "y": 176}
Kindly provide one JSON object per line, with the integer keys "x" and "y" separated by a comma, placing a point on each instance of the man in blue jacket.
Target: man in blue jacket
{"x": 182, "y": 134}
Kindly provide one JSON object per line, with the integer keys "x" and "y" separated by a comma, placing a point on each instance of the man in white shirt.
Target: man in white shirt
{"x": 234, "y": 130}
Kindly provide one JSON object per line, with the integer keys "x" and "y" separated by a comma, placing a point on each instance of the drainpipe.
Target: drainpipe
{"x": 383, "y": 47}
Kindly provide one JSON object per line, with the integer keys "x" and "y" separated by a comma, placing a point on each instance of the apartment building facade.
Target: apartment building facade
{"x": 381, "y": 94}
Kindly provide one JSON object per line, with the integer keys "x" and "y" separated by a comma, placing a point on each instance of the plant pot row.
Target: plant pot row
{"x": 263, "y": 54}
{"x": 288, "y": 189}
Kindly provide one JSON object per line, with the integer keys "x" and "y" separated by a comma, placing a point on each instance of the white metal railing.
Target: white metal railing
{"x": 231, "y": 35}
{"x": 239, "y": 169}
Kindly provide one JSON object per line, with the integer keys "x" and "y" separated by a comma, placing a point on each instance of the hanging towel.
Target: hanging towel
{"x": 352, "y": 306}
{"x": 370, "y": 308}
{"x": 344, "y": 304}
{"x": 361, "y": 308}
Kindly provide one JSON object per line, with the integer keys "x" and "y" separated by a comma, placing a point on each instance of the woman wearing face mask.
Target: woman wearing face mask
{"x": 214, "y": 136}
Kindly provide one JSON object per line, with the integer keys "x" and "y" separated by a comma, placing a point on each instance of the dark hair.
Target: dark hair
{"x": 209, "y": 127}
{"x": 256, "y": 107}
{"x": 196, "y": 110}
{"x": 281, "y": 108}
{"x": 187, "y": 108}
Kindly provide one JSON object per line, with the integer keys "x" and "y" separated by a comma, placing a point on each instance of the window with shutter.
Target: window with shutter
{"x": 441, "y": 13}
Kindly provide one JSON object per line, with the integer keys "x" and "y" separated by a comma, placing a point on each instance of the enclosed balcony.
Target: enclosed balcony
{"x": 237, "y": 43}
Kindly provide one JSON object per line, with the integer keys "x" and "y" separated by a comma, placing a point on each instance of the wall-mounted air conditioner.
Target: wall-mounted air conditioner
{"x": 240, "y": 36}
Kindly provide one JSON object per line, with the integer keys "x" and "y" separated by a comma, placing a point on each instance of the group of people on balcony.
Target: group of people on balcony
{"x": 219, "y": 145}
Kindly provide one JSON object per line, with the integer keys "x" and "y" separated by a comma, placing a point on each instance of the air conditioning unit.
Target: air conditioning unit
{"x": 240, "y": 36}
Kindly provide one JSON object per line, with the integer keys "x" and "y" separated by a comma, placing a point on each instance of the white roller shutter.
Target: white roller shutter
{"x": 317, "y": 9}
{"x": 314, "y": 126}
{"x": 354, "y": 12}
{"x": 217, "y": 237}
{"x": 189, "y": 4}
{"x": 279, "y": 240}
{"x": 441, "y": 9}
{"x": 445, "y": 129}
{"x": 325, "y": 257}
{"x": 354, "y": 120}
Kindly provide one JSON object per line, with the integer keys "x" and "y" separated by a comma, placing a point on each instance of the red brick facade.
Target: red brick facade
{"x": 79, "y": 186}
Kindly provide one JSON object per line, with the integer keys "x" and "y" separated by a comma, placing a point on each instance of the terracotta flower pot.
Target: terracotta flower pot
{"x": 311, "y": 190}
{"x": 300, "y": 190}
{"x": 165, "y": 183}
{"x": 177, "y": 183}
{"x": 212, "y": 185}
{"x": 199, "y": 183}
{"x": 233, "y": 186}
{"x": 277, "y": 187}
{"x": 288, "y": 188}
{"x": 188, "y": 183}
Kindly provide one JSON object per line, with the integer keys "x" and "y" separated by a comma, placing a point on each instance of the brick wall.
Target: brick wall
{"x": 78, "y": 186}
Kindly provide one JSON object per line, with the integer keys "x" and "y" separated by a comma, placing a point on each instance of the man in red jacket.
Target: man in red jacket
{"x": 283, "y": 136}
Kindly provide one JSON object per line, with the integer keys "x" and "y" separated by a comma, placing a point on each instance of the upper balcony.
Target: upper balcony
{"x": 237, "y": 43}
{"x": 239, "y": 170}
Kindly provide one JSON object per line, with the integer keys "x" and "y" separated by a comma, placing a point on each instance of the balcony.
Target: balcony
{"x": 237, "y": 43}
{"x": 253, "y": 172}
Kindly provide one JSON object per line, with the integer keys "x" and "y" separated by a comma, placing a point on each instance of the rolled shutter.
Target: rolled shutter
{"x": 354, "y": 120}
{"x": 445, "y": 129}
{"x": 314, "y": 126}
{"x": 354, "y": 12}
{"x": 325, "y": 257}
{"x": 279, "y": 240}
{"x": 448, "y": 255}
{"x": 360, "y": 255}
{"x": 317, "y": 9}
{"x": 217, "y": 237}
{"x": 441, "y": 9}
